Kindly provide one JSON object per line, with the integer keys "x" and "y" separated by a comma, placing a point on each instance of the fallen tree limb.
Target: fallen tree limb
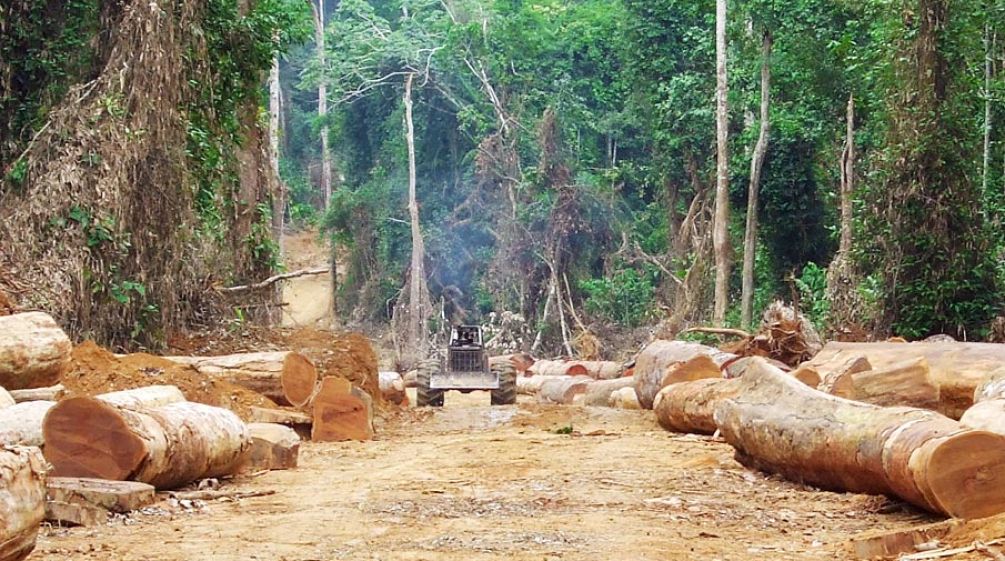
{"x": 779, "y": 425}
{"x": 274, "y": 279}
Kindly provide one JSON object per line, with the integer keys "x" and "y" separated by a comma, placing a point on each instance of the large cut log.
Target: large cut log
{"x": 338, "y": 414}
{"x": 114, "y": 496}
{"x": 273, "y": 447}
{"x": 988, "y": 415}
{"x": 625, "y": 398}
{"x": 905, "y": 383}
{"x": 565, "y": 390}
{"x": 596, "y": 369}
{"x": 34, "y": 351}
{"x": 392, "y": 387}
{"x": 955, "y": 368}
{"x": 21, "y": 424}
{"x": 166, "y": 446}
{"x": 285, "y": 377}
{"x": 652, "y": 362}
{"x": 22, "y": 501}
{"x": 689, "y": 407}
{"x": 779, "y": 425}
{"x": 736, "y": 368}
{"x": 598, "y": 394}
{"x": 51, "y": 393}
{"x": 837, "y": 380}
{"x": 531, "y": 385}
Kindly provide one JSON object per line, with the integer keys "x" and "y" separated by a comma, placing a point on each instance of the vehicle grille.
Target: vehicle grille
{"x": 466, "y": 361}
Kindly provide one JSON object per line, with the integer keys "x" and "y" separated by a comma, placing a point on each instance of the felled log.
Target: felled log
{"x": 392, "y": 387}
{"x": 273, "y": 447}
{"x": 735, "y": 368}
{"x": 652, "y": 362}
{"x": 565, "y": 390}
{"x": 531, "y": 385}
{"x": 988, "y": 415}
{"x": 22, "y": 501}
{"x": 624, "y": 398}
{"x": 338, "y": 415}
{"x": 166, "y": 446}
{"x": 34, "y": 351}
{"x": 808, "y": 375}
{"x": 145, "y": 397}
{"x": 51, "y": 393}
{"x": 779, "y": 425}
{"x": 21, "y": 424}
{"x": 114, "y": 496}
{"x": 956, "y": 368}
{"x": 596, "y": 369}
{"x": 689, "y": 407}
{"x": 285, "y": 377}
{"x": 279, "y": 416}
{"x": 698, "y": 367}
{"x": 598, "y": 394}
{"x": 837, "y": 380}
{"x": 905, "y": 383}
{"x": 992, "y": 386}
{"x": 521, "y": 362}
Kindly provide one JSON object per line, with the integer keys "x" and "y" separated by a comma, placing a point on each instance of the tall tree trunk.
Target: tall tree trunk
{"x": 720, "y": 233}
{"x": 756, "y": 165}
{"x": 416, "y": 319}
{"x": 279, "y": 198}
{"x": 987, "y": 106}
{"x": 848, "y": 180}
{"x": 326, "y": 159}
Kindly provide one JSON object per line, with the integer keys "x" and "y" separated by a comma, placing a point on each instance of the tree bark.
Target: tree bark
{"x": 142, "y": 398}
{"x": 598, "y": 394}
{"x": 275, "y": 110}
{"x": 652, "y": 363}
{"x": 756, "y": 165}
{"x": 848, "y": 180}
{"x": 779, "y": 425}
{"x": 34, "y": 351}
{"x": 167, "y": 446}
{"x": 720, "y": 235}
{"x": 22, "y": 423}
{"x": 689, "y": 407}
{"x": 22, "y": 501}
{"x": 285, "y": 377}
{"x": 326, "y": 158}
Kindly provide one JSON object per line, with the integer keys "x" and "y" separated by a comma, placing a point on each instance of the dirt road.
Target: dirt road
{"x": 472, "y": 483}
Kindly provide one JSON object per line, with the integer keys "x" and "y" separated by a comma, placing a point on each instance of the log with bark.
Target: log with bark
{"x": 21, "y": 424}
{"x": 837, "y": 380}
{"x": 992, "y": 386}
{"x": 145, "y": 397}
{"x": 51, "y": 393}
{"x": 273, "y": 447}
{"x": 689, "y": 407}
{"x": 956, "y": 368}
{"x": 598, "y": 394}
{"x": 531, "y": 385}
{"x": 698, "y": 367}
{"x": 988, "y": 415}
{"x": 22, "y": 501}
{"x": 565, "y": 390}
{"x": 34, "y": 351}
{"x": 338, "y": 414}
{"x": 285, "y": 377}
{"x": 652, "y": 362}
{"x": 624, "y": 398}
{"x": 777, "y": 424}
{"x": 392, "y": 387}
{"x": 521, "y": 362}
{"x": 165, "y": 446}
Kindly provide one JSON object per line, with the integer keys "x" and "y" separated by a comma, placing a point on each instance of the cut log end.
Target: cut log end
{"x": 86, "y": 437}
{"x": 965, "y": 474}
{"x": 298, "y": 379}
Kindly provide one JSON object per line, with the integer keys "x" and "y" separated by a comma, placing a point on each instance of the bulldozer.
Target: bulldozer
{"x": 464, "y": 367}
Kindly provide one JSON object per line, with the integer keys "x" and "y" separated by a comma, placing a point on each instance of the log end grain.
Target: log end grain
{"x": 965, "y": 474}
{"x": 298, "y": 378}
{"x": 86, "y": 437}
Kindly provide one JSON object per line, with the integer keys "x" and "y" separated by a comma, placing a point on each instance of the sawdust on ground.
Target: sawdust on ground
{"x": 477, "y": 483}
{"x": 94, "y": 370}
